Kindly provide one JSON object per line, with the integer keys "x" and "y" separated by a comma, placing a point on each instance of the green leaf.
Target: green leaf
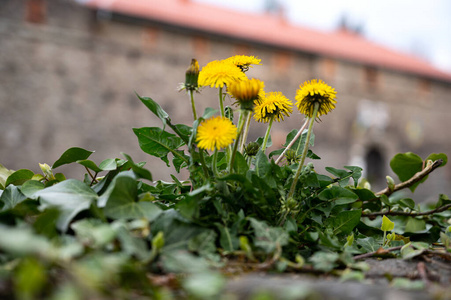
{"x": 262, "y": 165}
{"x": 415, "y": 225}
{"x": 11, "y": 196}
{"x": 93, "y": 233}
{"x": 346, "y": 221}
{"x": 356, "y": 173}
{"x": 405, "y": 165}
{"x": 369, "y": 244}
{"x": 4, "y": 174}
{"x": 157, "y": 142}
{"x": 155, "y": 108}
{"x": 70, "y": 197}
{"x": 72, "y": 155}
{"x": 240, "y": 165}
{"x": 109, "y": 164}
{"x": 339, "y": 195}
{"x": 204, "y": 244}
{"x": 21, "y": 241}
{"x": 364, "y": 194}
{"x": 268, "y": 238}
{"x": 138, "y": 169}
{"x": 120, "y": 200}
{"x": 324, "y": 261}
{"x": 387, "y": 225}
{"x": 228, "y": 240}
{"x": 19, "y": 177}
{"x": 29, "y": 278}
{"x": 435, "y": 156}
{"x": 90, "y": 165}
{"x": 342, "y": 174}
{"x": 205, "y": 285}
{"x": 176, "y": 229}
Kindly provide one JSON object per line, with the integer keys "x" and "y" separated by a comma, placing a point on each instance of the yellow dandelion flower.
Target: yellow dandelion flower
{"x": 246, "y": 91}
{"x": 312, "y": 92}
{"x": 244, "y": 61}
{"x": 216, "y": 133}
{"x": 273, "y": 105}
{"x": 219, "y": 73}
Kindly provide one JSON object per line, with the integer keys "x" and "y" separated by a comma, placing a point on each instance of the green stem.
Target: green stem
{"x": 193, "y": 106}
{"x": 292, "y": 141}
{"x": 221, "y": 102}
{"x": 203, "y": 163}
{"x": 243, "y": 116}
{"x": 214, "y": 163}
{"x": 265, "y": 140}
{"x": 304, "y": 152}
{"x": 245, "y": 134}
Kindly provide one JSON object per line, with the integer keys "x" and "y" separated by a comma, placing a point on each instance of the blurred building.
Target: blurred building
{"x": 69, "y": 72}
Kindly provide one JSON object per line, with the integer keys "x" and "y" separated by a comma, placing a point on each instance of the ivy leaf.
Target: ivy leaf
{"x": 369, "y": 244}
{"x": 435, "y": 156}
{"x": 324, "y": 261}
{"x": 19, "y": 177}
{"x": 4, "y": 174}
{"x": 72, "y": 155}
{"x": 387, "y": 225}
{"x": 70, "y": 197}
{"x": 11, "y": 196}
{"x": 120, "y": 200}
{"x": 405, "y": 165}
{"x": 268, "y": 238}
{"x": 157, "y": 142}
{"x": 415, "y": 225}
{"x": 346, "y": 221}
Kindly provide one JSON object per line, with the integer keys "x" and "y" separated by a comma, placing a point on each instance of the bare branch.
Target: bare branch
{"x": 415, "y": 178}
{"x": 410, "y": 214}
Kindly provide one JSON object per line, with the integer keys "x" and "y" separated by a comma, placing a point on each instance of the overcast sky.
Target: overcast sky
{"x": 420, "y": 27}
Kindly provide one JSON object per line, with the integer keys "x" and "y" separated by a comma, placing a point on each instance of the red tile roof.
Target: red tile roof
{"x": 268, "y": 29}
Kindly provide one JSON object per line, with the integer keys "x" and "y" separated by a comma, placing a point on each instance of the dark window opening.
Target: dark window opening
{"x": 375, "y": 166}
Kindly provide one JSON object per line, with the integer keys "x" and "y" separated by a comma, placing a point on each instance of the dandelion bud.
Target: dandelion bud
{"x": 192, "y": 75}
{"x": 252, "y": 149}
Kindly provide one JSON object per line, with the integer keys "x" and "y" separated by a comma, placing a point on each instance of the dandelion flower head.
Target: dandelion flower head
{"x": 273, "y": 105}
{"x": 244, "y": 61}
{"x": 216, "y": 133}
{"x": 219, "y": 73}
{"x": 246, "y": 91}
{"x": 312, "y": 92}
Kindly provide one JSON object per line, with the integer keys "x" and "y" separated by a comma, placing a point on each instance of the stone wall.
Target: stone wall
{"x": 71, "y": 79}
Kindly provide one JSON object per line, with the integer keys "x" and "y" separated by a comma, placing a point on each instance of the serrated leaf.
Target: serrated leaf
{"x": 338, "y": 195}
{"x": 70, "y": 197}
{"x": 72, "y": 155}
{"x": 19, "y": 177}
{"x": 157, "y": 142}
{"x": 405, "y": 165}
{"x": 346, "y": 221}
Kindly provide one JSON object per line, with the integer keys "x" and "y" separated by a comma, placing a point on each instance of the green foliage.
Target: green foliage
{"x": 116, "y": 226}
